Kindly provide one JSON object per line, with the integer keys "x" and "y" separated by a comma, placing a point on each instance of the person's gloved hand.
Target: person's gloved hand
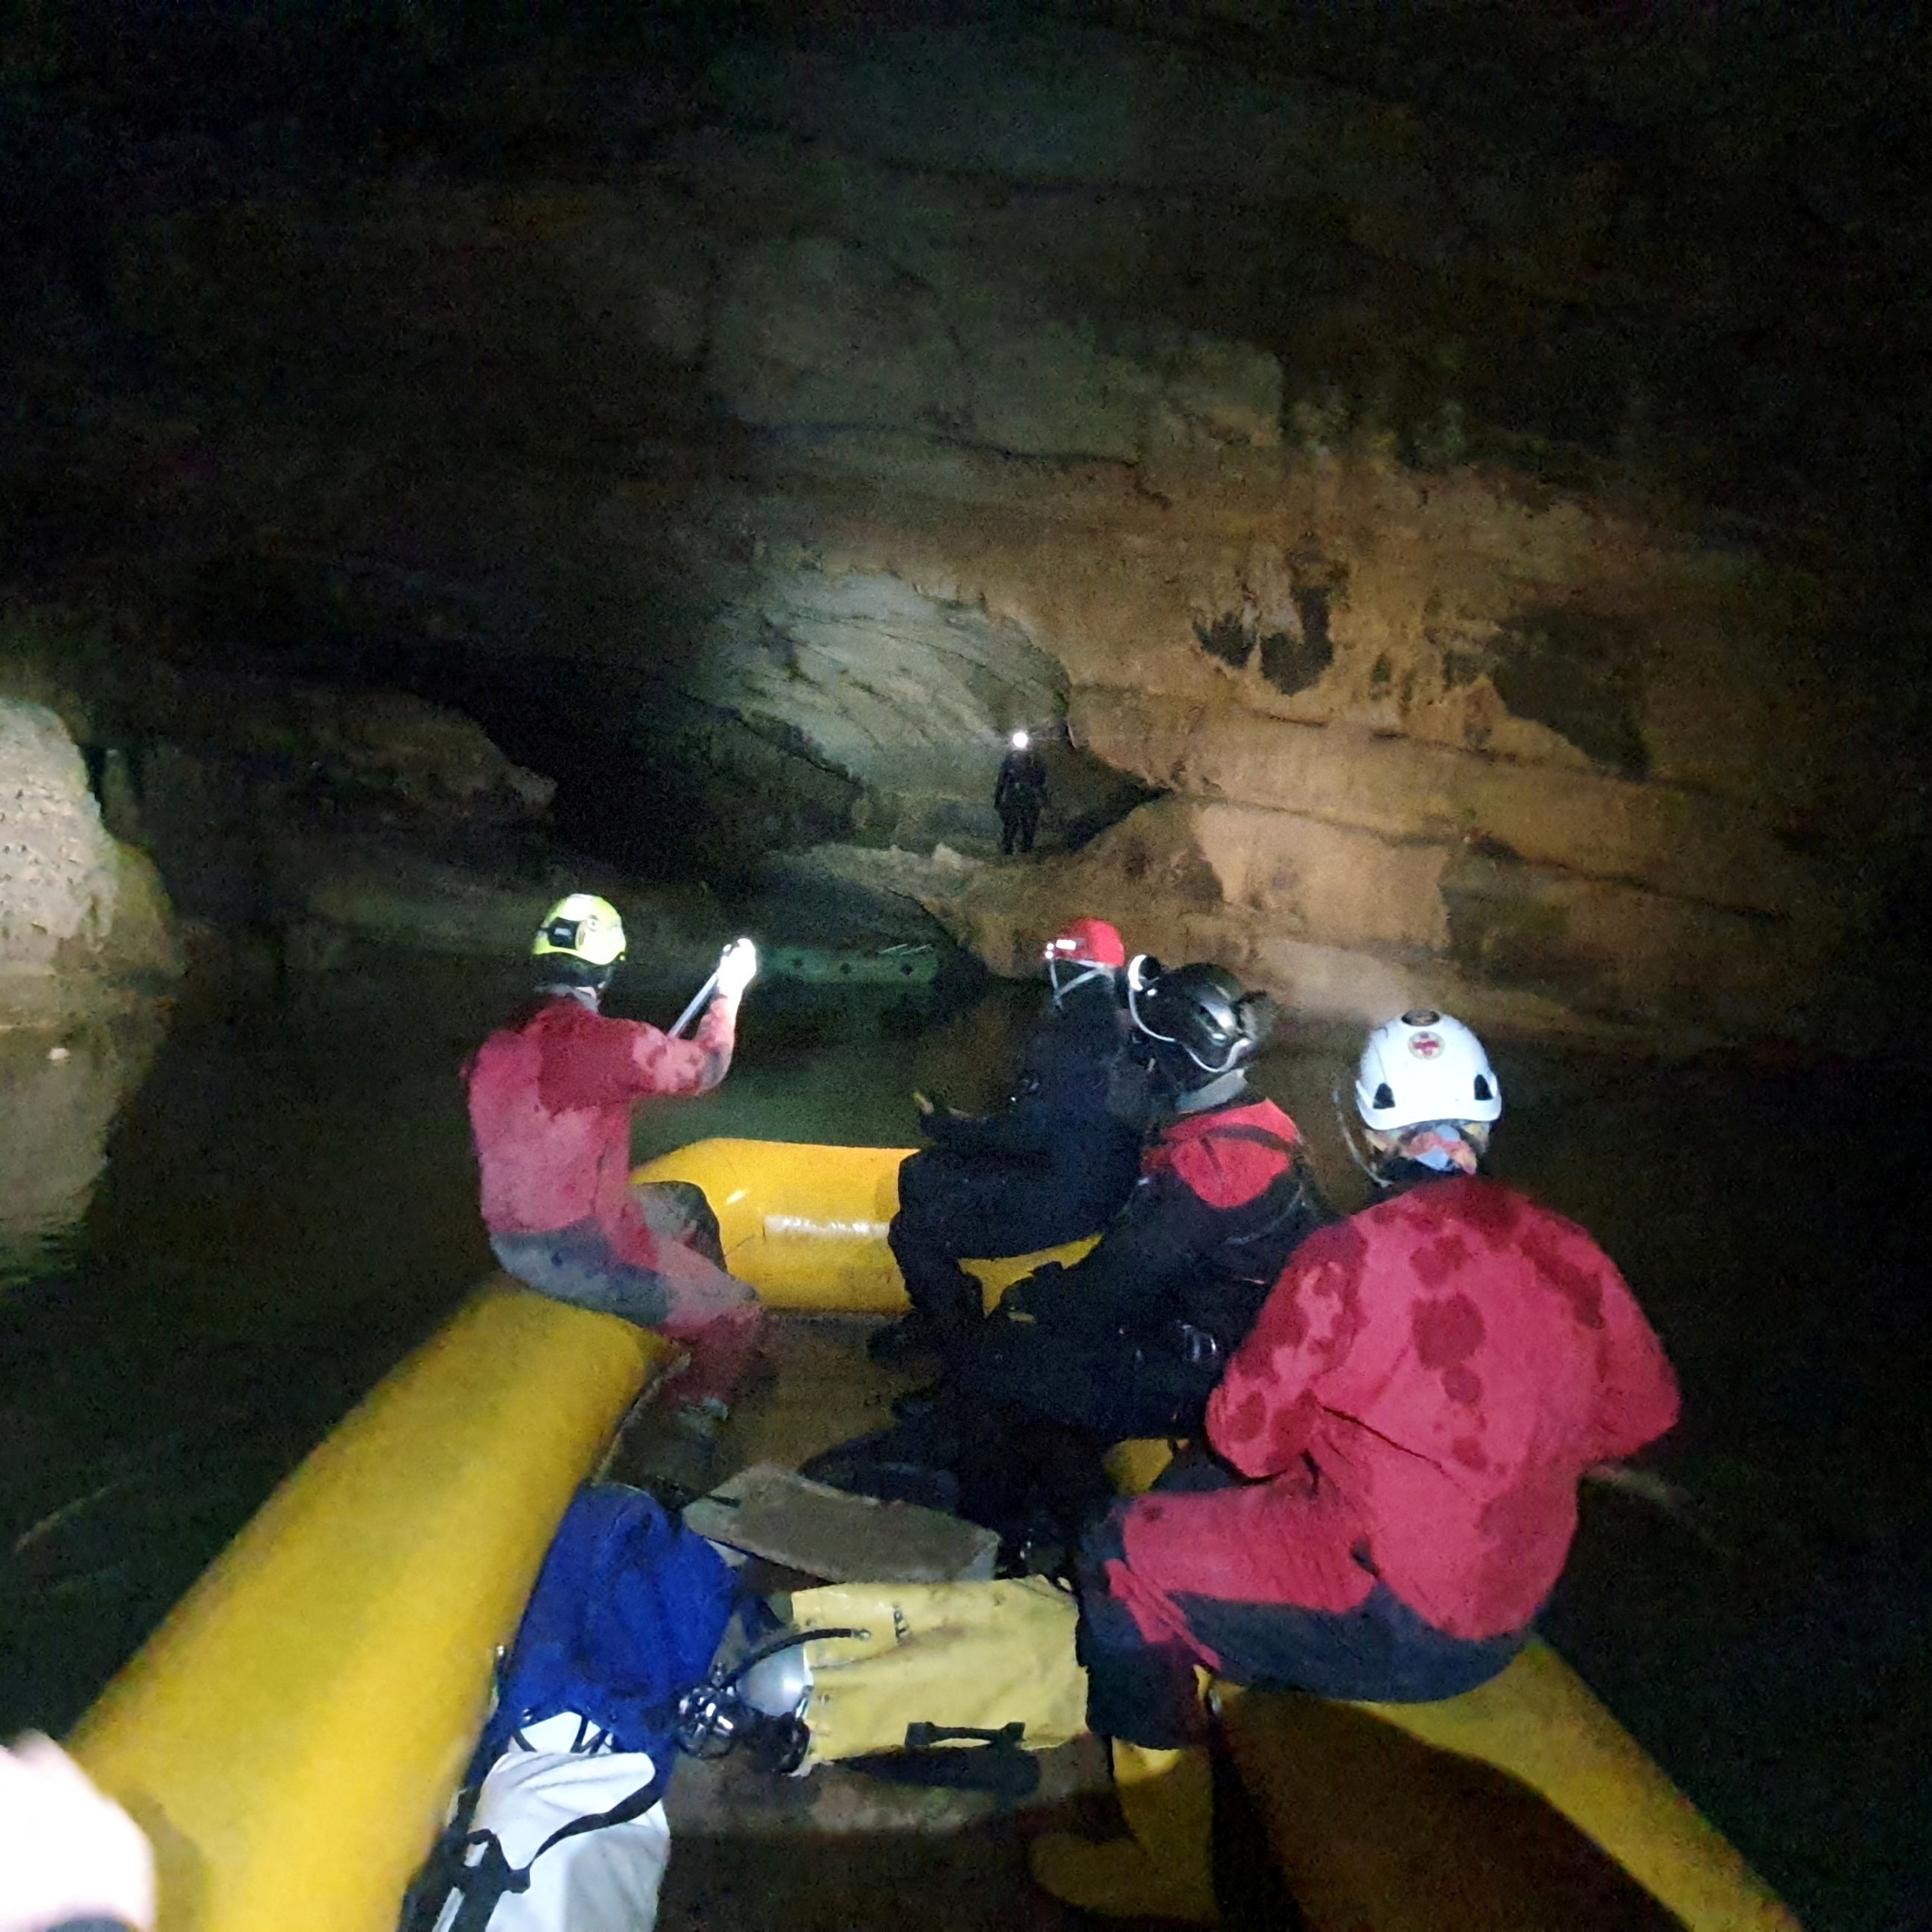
{"x": 1025, "y": 1300}
{"x": 67, "y": 1852}
{"x": 937, "y": 1119}
{"x": 737, "y": 968}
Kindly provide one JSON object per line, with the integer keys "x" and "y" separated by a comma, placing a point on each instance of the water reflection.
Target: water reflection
{"x": 58, "y": 1099}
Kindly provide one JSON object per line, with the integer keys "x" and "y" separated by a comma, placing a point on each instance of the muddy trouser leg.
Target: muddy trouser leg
{"x": 677, "y": 1211}
{"x": 1139, "y": 1689}
{"x": 1379, "y": 1649}
{"x": 714, "y": 1315}
{"x": 724, "y": 1353}
{"x": 717, "y": 1317}
{"x": 578, "y": 1264}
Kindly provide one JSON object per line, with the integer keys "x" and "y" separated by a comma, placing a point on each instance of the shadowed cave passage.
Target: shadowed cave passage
{"x": 1367, "y": 431}
{"x": 810, "y": 708}
{"x": 828, "y": 711}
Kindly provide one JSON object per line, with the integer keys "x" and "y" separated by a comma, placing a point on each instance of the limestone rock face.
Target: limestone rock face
{"x": 820, "y": 334}
{"x": 76, "y": 908}
{"x": 1351, "y": 924}
{"x": 1421, "y": 742}
{"x": 910, "y": 695}
{"x": 1673, "y": 839}
{"x": 1284, "y": 455}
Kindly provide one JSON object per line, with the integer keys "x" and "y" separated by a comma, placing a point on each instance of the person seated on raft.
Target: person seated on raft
{"x": 1131, "y": 1340}
{"x": 1055, "y": 1165}
{"x": 551, "y": 1095}
{"x": 1397, "y": 1450}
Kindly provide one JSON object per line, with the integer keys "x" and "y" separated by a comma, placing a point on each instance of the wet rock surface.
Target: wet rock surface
{"x": 84, "y": 925}
{"x": 1429, "y": 455}
{"x": 60, "y": 1092}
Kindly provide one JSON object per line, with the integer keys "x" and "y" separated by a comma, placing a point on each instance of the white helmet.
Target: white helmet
{"x": 1425, "y": 1067}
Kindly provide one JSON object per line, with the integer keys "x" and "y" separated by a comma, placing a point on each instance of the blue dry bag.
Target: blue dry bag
{"x": 628, "y": 1610}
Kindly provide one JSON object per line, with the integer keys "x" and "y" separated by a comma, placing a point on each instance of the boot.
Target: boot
{"x": 913, "y": 1338}
{"x": 1164, "y": 1867}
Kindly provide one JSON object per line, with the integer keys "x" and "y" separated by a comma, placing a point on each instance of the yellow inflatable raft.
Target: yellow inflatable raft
{"x": 290, "y": 1736}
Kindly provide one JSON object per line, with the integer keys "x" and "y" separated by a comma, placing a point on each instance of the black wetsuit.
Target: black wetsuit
{"x": 1131, "y": 1340}
{"x": 1056, "y": 1164}
{"x": 1018, "y": 797}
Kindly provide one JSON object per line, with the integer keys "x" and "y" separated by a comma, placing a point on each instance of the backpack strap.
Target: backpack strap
{"x": 1261, "y": 1136}
{"x": 1296, "y": 1153}
{"x": 484, "y": 1883}
{"x": 442, "y": 1870}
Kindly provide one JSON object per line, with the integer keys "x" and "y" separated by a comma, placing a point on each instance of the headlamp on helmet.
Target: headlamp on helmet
{"x": 581, "y": 927}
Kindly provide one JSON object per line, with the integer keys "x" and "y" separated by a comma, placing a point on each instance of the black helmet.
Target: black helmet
{"x": 1200, "y": 1010}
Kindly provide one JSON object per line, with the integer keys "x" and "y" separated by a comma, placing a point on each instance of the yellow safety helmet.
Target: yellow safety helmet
{"x": 581, "y": 927}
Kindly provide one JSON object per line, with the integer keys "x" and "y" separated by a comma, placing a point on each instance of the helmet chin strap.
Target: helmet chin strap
{"x": 1222, "y": 1086}
{"x": 1376, "y": 1178}
{"x": 583, "y": 996}
{"x": 1087, "y": 971}
{"x": 1136, "y": 986}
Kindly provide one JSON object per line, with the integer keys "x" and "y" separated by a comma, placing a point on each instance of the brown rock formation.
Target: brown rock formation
{"x": 1327, "y": 461}
{"x": 80, "y": 912}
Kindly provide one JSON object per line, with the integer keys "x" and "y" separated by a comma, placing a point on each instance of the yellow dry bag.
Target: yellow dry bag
{"x": 971, "y": 1657}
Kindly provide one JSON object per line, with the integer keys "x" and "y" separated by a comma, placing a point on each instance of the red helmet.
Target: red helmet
{"x": 1093, "y": 942}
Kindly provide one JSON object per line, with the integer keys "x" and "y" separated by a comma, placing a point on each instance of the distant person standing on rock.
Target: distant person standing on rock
{"x": 1020, "y": 794}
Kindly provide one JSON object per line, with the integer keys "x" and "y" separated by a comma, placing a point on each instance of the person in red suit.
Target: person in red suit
{"x": 551, "y": 1095}
{"x": 1396, "y": 1447}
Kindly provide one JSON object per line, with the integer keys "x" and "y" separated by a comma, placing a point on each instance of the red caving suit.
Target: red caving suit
{"x": 550, "y": 1101}
{"x": 1426, "y": 1385}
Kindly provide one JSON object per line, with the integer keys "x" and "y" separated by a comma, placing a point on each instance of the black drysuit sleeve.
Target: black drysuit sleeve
{"x": 1062, "y": 1093}
{"x": 1135, "y": 1278}
{"x": 1025, "y": 1127}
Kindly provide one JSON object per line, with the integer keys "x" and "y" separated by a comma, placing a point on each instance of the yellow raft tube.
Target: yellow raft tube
{"x": 290, "y": 1736}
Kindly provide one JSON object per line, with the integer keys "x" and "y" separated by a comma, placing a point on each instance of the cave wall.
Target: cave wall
{"x": 86, "y": 928}
{"x": 1363, "y": 817}
{"x": 1298, "y": 452}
